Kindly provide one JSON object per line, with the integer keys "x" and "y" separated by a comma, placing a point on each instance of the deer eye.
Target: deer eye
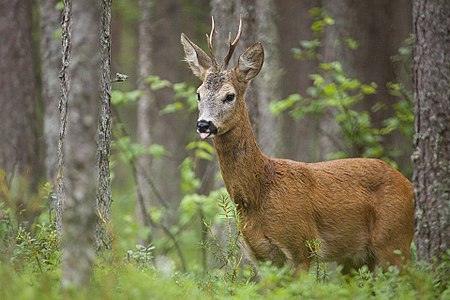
{"x": 229, "y": 98}
{"x": 198, "y": 97}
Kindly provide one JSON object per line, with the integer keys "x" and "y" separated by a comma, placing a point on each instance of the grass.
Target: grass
{"x": 115, "y": 277}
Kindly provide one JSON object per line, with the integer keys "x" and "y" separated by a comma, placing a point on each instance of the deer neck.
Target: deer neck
{"x": 243, "y": 166}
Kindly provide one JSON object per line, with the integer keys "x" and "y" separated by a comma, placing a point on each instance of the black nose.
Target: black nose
{"x": 204, "y": 126}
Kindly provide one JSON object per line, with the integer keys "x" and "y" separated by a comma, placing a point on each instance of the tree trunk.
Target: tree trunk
{"x": 146, "y": 110}
{"x": 64, "y": 76}
{"x": 379, "y": 32}
{"x": 299, "y": 139}
{"x": 51, "y": 63}
{"x": 20, "y": 150}
{"x": 268, "y": 81}
{"x": 80, "y": 152}
{"x": 432, "y": 127}
{"x": 104, "y": 195}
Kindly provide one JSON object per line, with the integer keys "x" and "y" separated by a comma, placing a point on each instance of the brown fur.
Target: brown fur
{"x": 361, "y": 210}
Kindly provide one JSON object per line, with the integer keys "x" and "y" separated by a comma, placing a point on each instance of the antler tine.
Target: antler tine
{"x": 210, "y": 39}
{"x": 232, "y": 45}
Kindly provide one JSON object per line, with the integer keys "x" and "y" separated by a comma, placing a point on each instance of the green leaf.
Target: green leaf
{"x": 203, "y": 155}
{"x": 201, "y": 145}
{"x": 317, "y": 79}
{"x": 351, "y": 43}
{"x": 173, "y": 107}
{"x": 318, "y": 26}
{"x": 156, "y": 83}
{"x": 330, "y": 89}
{"x": 310, "y": 44}
{"x": 158, "y": 151}
{"x": 350, "y": 85}
{"x": 277, "y": 107}
{"x": 133, "y": 96}
{"x": 59, "y": 5}
{"x": 368, "y": 89}
{"x": 328, "y": 20}
{"x": 118, "y": 98}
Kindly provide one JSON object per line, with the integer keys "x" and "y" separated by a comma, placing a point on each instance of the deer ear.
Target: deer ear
{"x": 250, "y": 62}
{"x": 198, "y": 60}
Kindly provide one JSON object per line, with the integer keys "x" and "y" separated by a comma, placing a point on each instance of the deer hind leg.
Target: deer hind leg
{"x": 388, "y": 256}
{"x": 390, "y": 250}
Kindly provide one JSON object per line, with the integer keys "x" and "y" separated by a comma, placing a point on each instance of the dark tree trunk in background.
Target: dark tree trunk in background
{"x": 299, "y": 138}
{"x": 50, "y": 19}
{"x": 147, "y": 111}
{"x": 20, "y": 150}
{"x": 104, "y": 195}
{"x": 432, "y": 127}
{"x": 80, "y": 149}
{"x": 380, "y": 28}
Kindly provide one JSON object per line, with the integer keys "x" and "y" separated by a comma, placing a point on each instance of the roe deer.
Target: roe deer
{"x": 361, "y": 210}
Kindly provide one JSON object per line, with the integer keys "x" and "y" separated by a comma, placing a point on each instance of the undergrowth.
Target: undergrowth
{"x": 123, "y": 280}
{"x": 32, "y": 271}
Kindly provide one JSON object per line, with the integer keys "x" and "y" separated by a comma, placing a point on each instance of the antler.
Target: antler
{"x": 210, "y": 43}
{"x": 232, "y": 45}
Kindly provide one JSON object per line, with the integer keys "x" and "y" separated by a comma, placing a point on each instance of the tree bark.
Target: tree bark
{"x": 80, "y": 152}
{"x": 146, "y": 109}
{"x": 104, "y": 195}
{"x": 64, "y": 77}
{"x": 431, "y": 72}
{"x": 51, "y": 63}
{"x": 20, "y": 150}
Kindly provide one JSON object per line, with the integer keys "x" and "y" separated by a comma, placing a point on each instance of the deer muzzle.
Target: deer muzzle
{"x": 206, "y": 129}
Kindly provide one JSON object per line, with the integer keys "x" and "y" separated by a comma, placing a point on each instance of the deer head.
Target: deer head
{"x": 221, "y": 95}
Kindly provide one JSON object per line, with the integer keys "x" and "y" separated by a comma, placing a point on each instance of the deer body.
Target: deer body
{"x": 361, "y": 210}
